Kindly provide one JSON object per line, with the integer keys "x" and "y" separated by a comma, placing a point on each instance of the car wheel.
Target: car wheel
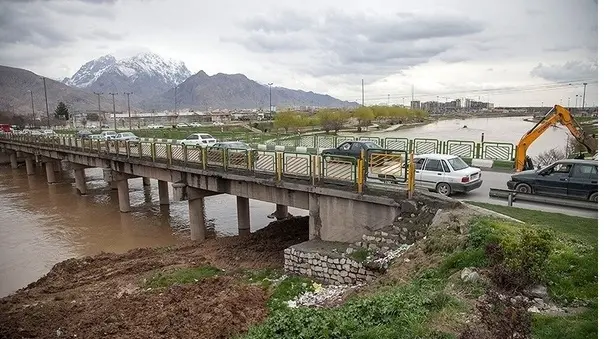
{"x": 593, "y": 197}
{"x": 443, "y": 188}
{"x": 524, "y": 188}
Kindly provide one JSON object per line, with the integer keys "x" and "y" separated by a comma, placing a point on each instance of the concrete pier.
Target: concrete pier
{"x": 113, "y": 185}
{"x": 243, "y": 215}
{"x": 50, "y": 172}
{"x": 123, "y": 195}
{"x": 29, "y": 166}
{"x": 146, "y": 181}
{"x": 57, "y": 166}
{"x": 80, "y": 180}
{"x": 281, "y": 212}
{"x": 164, "y": 195}
{"x": 13, "y": 161}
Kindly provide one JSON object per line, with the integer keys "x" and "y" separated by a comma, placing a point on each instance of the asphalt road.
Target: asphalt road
{"x": 499, "y": 180}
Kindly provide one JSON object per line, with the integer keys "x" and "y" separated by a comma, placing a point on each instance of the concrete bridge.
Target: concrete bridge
{"x": 342, "y": 202}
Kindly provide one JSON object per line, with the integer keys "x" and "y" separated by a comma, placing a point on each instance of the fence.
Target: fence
{"x": 386, "y": 166}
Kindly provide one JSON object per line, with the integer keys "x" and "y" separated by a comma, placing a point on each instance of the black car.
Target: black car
{"x": 569, "y": 178}
{"x": 83, "y": 134}
{"x": 353, "y": 149}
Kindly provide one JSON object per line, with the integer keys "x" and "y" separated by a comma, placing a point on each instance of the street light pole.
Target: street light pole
{"x": 46, "y": 99}
{"x": 98, "y": 96}
{"x": 584, "y": 86}
{"x": 114, "y": 118}
{"x": 270, "y": 97}
{"x": 33, "y": 113}
{"x": 576, "y": 100}
{"x": 129, "y": 116}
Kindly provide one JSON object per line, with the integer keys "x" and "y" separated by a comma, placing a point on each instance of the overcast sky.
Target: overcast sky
{"x": 511, "y": 52}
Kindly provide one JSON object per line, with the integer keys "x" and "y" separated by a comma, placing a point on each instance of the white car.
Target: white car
{"x": 195, "y": 124}
{"x": 198, "y": 139}
{"x": 126, "y": 136}
{"x": 108, "y": 135}
{"x": 445, "y": 174}
{"x": 155, "y": 126}
{"x": 48, "y": 132}
{"x": 182, "y": 125}
{"x": 218, "y": 123}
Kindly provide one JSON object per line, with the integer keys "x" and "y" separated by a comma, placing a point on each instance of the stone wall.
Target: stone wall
{"x": 330, "y": 267}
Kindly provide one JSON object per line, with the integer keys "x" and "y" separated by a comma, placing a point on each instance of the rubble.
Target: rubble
{"x": 322, "y": 295}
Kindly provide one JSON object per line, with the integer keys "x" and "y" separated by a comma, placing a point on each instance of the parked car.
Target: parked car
{"x": 48, "y": 132}
{"x": 96, "y": 137}
{"x": 108, "y": 135}
{"x": 154, "y": 126}
{"x": 445, "y": 174}
{"x": 182, "y": 125}
{"x": 237, "y": 151}
{"x": 569, "y": 178}
{"x": 83, "y": 134}
{"x": 195, "y": 124}
{"x": 352, "y": 149}
{"x": 198, "y": 139}
{"x": 126, "y": 136}
{"x": 218, "y": 123}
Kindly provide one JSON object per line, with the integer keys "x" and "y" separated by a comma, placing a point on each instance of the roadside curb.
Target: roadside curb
{"x": 487, "y": 211}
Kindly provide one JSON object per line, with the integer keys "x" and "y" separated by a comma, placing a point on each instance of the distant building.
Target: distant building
{"x": 473, "y": 104}
{"x": 415, "y": 104}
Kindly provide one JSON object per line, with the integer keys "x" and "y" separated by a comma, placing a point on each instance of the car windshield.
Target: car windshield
{"x": 457, "y": 163}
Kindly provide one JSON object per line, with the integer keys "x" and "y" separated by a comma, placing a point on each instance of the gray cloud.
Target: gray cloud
{"x": 356, "y": 43}
{"x": 22, "y": 24}
{"x": 579, "y": 70}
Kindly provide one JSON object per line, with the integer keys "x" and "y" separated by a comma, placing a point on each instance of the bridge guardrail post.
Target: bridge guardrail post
{"x": 153, "y": 151}
{"x": 225, "y": 159}
{"x": 203, "y": 156}
{"x": 185, "y": 154}
{"x": 169, "y": 153}
{"x": 279, "y": 167}
{"x": 410, "y": 176}
{"x": 128, "y": 149}
{"x": 360, "y": 174}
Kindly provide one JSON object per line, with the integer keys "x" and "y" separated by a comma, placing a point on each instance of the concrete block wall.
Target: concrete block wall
{"x": 329, "y": 268}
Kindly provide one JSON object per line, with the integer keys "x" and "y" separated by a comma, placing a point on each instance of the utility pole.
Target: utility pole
{"x": 129, "y": 116}
{"x": 270, "y": 97}
{"x": 175, "y": 99}
{"x": 98, "y": 96}
{"x": 576, "y": 100}
{"x": 33, "y": 113}
{"x": 388, "y": 99}
{"x": 362, "y": 92}
{"x": 46, "y": 99}
{"x": 114, "y": 118}
{"x": 412, "y": 93}
{"x": 568, "y": 105}
{"x": 583, "y": 105}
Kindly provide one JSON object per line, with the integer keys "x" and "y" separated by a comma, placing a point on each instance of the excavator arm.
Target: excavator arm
{"x": 557, "y": 114}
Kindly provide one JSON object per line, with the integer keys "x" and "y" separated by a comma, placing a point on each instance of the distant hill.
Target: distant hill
{"x": 15, "y": 84}
{"x": 201, "y": 91}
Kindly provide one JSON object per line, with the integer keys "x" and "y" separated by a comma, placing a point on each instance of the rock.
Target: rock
{"x": 407, "y": 260}
{"x": 408, "y": 206}
{"x": 533, "y": 309}
{"x": 539, "y": 303}
{"x": 372, "y": 246}
{"x": 538, "y": 291}
{"x": 399, "y": 218}
{"x": 349, "y": 250}
{"x": 405, "y": 230}
{"x": 384, "y": 234}
{"x": 468, "y": 275}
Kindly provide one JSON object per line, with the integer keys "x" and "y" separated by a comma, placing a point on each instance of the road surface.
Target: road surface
{"x": 499, "y": 180}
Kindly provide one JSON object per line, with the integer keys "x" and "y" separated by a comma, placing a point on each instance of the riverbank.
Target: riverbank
{"x": 468, "y": 275}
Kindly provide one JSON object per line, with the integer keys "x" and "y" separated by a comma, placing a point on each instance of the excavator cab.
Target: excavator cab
{"x": 528, "y": 164}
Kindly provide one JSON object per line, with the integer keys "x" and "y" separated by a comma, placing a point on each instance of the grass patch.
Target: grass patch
{"x": 580, "y": 326}
{"x": 504, "y": 164}
{"x": 583, "y": 229}
{"x": 288, "y": 289}
{"x": 181, "y": 276}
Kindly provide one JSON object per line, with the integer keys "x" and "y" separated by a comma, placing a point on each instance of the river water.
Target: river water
{"x": 43, "y": 224}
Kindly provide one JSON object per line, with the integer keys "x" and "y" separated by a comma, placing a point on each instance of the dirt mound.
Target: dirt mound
{"x": 101, "y": 296}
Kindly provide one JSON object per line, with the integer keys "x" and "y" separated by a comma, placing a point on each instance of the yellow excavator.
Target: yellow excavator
{"x": 557, "y": 114}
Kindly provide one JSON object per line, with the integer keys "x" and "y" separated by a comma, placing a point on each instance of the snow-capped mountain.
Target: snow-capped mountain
{"x": 145, "y": 74}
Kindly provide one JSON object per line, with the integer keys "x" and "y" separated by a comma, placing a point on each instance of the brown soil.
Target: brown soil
{"x": 101, "y": 296}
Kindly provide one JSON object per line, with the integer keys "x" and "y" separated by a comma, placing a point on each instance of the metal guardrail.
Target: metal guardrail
{"x": 387, "y": 166}
{"x": 512, "y": 196}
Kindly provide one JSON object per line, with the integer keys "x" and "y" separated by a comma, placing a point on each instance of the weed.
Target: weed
{"x": 580, "y": 326}
{"x": 360, "y": 254}
{"x": 288, "y": 289}
{"x": 181, "y": 276}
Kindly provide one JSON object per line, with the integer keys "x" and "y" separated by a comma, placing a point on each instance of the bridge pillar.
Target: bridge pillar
{"x": 197, "y": 219}
{"x": 164, "y": 195}
{"x": 57, "y": 166}
{"x": 50, "y": 172}
{"x": 281, "y": 212}
{"x": 29, "y": 166}
{"x": 123, "y": 195}
{"x": 80, "y": 180}
{"x": 243, "y": 215}
{"x": 13, "y": 161}
{"x": 146, "y": 181}
{"x": 113, "y": 185}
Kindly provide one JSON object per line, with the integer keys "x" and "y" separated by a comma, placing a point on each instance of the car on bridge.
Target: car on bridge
{"x": 568, "y": 178}
{"x": 198, "y": 139}
{"x": 126, "y": 136}
{"x": 237, "y": 151}
{"x": 182, "y": 125}
{"x": 83, "y": 134}
{"x": 108, "y": 135}
{"x": 445, "y": 174}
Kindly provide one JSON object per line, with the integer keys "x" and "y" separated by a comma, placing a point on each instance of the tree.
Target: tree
{"x": 287, "y": 120}
{"x": 331, "y": 119}
{"x": 62, "y": 112}
{"x": 364, "y": 115}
